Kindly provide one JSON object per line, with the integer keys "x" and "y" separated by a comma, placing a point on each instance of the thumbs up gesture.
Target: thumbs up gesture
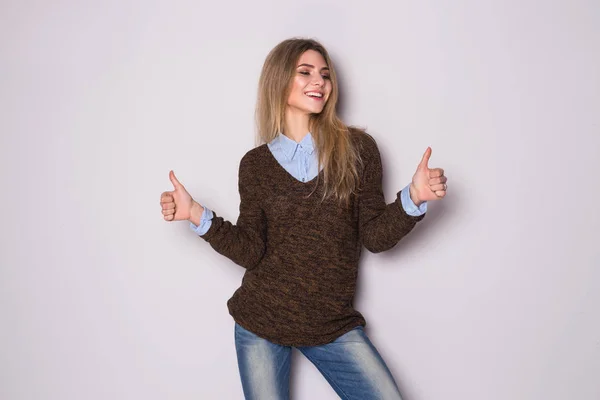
{"x": 427, "y": 183}
{"x": 176, "y": 204}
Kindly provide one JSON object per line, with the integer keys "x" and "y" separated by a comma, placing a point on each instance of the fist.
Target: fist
{"x": 177, "y": 204}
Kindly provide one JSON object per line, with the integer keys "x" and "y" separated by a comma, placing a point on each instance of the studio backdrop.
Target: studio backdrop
{"x": 493, "y": 296}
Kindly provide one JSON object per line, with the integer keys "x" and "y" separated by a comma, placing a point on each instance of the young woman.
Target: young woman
{"x": 310, "y": 197}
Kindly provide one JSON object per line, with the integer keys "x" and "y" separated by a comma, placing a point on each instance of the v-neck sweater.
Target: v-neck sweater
{"x": 301, "y": 255}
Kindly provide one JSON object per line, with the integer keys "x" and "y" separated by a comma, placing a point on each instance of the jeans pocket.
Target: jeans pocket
{"x": 241, "y": 331}
{"x": 354, "y": 335}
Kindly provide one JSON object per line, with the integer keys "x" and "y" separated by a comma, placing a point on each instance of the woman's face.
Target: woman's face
{"x": 311, "y": 85}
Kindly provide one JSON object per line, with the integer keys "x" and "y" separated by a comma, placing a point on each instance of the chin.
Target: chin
{"x": 307, "y": 109}
{"x": 315, "y": 110}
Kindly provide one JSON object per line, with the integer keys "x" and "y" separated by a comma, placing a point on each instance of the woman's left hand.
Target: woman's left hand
{"x": 427, "y": 183}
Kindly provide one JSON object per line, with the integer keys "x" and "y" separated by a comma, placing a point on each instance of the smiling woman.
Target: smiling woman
{"x": 301, "y": 251}
{"x": 298, "y": 94}
{"x": 312, "y": 81}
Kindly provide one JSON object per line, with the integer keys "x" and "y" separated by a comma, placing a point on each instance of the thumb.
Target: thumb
{"x": 425, "y": 159}
{"x": 174, "y": 180}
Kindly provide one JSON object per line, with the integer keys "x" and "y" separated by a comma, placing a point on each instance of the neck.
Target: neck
{"x": 296, "y": 124}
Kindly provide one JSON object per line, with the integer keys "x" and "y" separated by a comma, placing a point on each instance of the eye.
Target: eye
{"x": 306, "y": 73}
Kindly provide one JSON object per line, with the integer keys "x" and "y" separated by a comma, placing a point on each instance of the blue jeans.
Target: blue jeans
{"x": 351, "y": 364}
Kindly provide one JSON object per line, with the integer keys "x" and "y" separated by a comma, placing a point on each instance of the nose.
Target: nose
{"x": 319, "y": 81}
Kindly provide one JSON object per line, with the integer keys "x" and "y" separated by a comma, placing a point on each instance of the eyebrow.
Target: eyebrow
{"x": 311, "y": 66}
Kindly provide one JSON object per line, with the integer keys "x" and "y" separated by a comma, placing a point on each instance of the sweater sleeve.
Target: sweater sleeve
{"x": 245, "y": 242}
{"x": 381, "y": 225}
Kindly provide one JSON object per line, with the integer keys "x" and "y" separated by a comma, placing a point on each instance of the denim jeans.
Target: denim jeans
{"x": 351, "y": 364}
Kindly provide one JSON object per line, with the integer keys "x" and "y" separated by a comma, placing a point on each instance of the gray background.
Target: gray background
{"x": 493, "y": 296}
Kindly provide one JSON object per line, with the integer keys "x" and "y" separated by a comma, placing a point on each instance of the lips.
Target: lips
{"x": 315, "y": 95}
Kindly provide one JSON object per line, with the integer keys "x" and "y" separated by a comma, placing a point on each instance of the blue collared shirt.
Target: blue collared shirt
{"x": 300, "y": 160}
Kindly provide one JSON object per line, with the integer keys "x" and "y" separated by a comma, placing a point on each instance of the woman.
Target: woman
{"x": 310, "y": 197}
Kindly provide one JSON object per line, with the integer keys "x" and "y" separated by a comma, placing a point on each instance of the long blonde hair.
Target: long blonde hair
{"x": 336, "y": 151}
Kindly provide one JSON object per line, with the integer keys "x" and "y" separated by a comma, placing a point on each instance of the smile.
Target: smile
{"x": 315, "y": 95}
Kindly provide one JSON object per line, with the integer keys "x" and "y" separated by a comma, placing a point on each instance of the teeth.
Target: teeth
{"x": 312, "y": 94}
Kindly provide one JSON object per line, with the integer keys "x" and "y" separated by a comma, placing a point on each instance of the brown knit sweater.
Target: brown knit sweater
{"x": 301, "y": 256}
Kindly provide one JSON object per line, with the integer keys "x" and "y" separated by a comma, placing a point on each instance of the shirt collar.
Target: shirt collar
{"x": 289, "y": 146}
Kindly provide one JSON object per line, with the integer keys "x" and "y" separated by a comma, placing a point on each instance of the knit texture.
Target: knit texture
{"x": 301, "y": 255}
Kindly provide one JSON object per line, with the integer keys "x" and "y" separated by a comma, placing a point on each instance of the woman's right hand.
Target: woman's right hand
{"x": 176, "y": 204}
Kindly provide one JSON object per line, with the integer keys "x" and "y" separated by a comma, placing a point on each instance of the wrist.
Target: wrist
{"x": 195, "y": 213}
{"x": 413, "y": 195}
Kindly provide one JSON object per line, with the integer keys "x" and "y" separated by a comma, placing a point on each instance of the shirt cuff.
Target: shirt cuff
{"x": 205, "y": 222}
{"x": 409, "y": 206}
